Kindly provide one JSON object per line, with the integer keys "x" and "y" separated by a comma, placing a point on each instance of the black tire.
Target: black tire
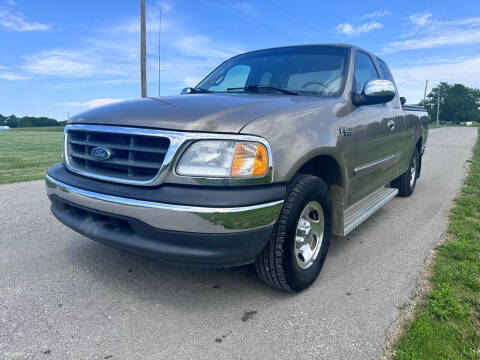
{"x": 277, "y": 265}
{"x": 403, "y": 183}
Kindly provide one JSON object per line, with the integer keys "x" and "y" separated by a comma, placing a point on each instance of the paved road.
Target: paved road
{"x": 63, "y": 296}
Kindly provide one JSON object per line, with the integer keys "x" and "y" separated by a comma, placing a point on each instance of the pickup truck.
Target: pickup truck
{"x": 264, "y": 161}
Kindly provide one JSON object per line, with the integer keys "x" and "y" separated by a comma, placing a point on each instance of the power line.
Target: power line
{"x": 292, "y": 14}
{"x": 256, "y": 20}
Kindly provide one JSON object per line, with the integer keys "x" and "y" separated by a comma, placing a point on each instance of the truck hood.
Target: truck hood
{"x": 227, "y": 113}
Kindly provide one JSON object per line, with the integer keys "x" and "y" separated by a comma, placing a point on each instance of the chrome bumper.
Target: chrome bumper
{"x": 171, "y": 217}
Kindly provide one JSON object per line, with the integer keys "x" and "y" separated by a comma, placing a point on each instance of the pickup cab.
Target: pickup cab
{"x": 264, "y": 161}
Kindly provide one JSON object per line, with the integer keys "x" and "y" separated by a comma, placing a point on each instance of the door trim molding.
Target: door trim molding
{"x": 385, "y": 161}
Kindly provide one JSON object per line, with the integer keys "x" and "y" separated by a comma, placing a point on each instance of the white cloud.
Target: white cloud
{"x": 12, "y": 76}
{"x": 202, "y": 46}
{"x": 453, "y": 37}
{"x": 64, "y": 63}
{"x": 420, "y": 19}
{"x": 411, "y": 80}
{"x": 112, "y": 56}
{"x": 376, "y": 14}
{"x": 354, "y": 30}
{"x": 471, "y": 22}
{"x": 426, "y": 32}
{"x": 90, "y": 62}
{"x": 89, "y": 104}
{"x": 16, "y": 22}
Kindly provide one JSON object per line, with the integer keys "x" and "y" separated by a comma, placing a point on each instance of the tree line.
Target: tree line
{"x": 28, "y": 121}
{"x": 458, "y": 103}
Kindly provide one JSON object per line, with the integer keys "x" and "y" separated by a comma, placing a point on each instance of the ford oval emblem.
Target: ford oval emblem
{"x": 101, "y": 153}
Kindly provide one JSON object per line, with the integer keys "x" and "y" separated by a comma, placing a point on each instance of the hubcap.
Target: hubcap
{"x": 413, "y": 172}
{"x": 309, "y": 234}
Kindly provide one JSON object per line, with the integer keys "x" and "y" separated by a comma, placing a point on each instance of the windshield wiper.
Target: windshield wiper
{"x": 256, "y": 87}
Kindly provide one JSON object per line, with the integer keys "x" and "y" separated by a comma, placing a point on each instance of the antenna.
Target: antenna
{"x": 143, "y": 49}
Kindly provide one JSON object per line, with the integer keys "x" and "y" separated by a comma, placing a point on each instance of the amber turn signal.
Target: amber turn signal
{"x": 250, "y": 159}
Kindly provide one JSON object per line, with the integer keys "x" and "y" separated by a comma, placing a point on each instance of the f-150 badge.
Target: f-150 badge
{"x": 345, "y": 131}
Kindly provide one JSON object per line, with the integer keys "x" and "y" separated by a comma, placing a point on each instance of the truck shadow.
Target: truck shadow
{"x": 141, "y": 277}
{"x": 144, "y": 278}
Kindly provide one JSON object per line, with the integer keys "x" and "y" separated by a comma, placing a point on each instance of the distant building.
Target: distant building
{"x": 4, "y": 128}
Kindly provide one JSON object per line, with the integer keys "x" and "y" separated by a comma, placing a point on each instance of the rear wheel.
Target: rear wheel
{"x": 406, "y": 182}
{"x": 295, "y": 253}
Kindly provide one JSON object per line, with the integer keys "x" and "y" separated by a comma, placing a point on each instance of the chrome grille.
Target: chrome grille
{"x": 133, "y": 157}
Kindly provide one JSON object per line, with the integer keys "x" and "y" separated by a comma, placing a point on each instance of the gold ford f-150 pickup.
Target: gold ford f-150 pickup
{"x": 267, "y": 158}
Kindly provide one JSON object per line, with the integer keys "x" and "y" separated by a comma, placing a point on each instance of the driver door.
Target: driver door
{"x": 377, "y": 136}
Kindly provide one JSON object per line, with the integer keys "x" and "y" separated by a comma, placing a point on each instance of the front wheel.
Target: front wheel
{"x": 406, "y": 182}
{"x": 295, "y": 253}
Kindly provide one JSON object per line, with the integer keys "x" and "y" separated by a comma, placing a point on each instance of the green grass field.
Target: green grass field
{"x": 25, "y": 154}
{"x": 447, "y": 322}
{"x": 42, "y": 128}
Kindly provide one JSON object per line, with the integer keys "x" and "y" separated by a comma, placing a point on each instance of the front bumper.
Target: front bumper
{"x": 189, "y": 235}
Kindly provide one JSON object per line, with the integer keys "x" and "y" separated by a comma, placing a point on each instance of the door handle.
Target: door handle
{"x": 391, "y": 124}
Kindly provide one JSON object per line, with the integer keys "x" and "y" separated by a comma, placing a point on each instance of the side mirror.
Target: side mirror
{"x": 187, "y": 90}
{"x": 402, "y": 100}
{"x": 375, "y": 92}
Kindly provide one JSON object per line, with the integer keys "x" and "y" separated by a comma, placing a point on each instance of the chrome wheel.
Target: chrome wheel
{"x": 309, "y": 234}
{"x": 413, "y": 172}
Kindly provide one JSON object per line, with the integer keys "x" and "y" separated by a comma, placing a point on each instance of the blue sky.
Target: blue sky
{"x": 62, "y": 57}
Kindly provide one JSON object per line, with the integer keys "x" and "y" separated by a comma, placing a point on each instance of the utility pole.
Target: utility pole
{"x": 438, "y": 105}
{"x": 159, "y": 43}
{"x": 143, "y": 50}
{"x": 425, "y": 92}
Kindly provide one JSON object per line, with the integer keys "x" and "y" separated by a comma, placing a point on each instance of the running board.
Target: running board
{"x": 362, "y": 210}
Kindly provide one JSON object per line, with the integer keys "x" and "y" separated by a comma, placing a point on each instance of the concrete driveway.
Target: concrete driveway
{"x": 63, "y": 296}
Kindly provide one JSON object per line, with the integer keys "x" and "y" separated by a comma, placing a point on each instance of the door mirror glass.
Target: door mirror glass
{"x": 375, "y": 92}
{"x": 187, "y": 90}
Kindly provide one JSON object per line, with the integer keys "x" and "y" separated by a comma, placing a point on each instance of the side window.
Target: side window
{"x": 364, "y": 71}
{"x": 387, "y": 75}
{"x": 385, "y": 70}
{"x": 236, "y": 76}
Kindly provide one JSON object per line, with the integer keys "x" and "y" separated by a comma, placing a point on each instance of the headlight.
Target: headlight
{"x": 224, "y": 158}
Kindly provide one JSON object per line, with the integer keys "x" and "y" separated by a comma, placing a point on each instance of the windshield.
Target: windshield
{"x": 303, "y": 70}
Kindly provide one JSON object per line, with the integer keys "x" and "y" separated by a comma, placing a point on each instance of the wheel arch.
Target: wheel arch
{"x": 329, "y": 169}
{"x": 326, "y": 167}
